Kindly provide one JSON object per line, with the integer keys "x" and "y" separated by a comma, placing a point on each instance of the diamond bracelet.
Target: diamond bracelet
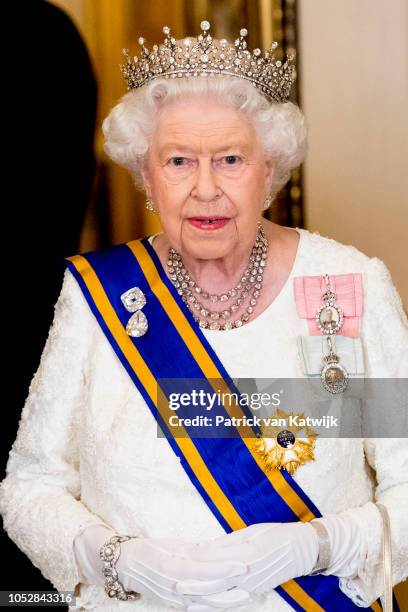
{"x": 323, "y": 559}
{"x": 110, "y": 553}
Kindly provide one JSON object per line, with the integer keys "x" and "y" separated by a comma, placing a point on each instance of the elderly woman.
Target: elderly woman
{"x": 127, "y": 518}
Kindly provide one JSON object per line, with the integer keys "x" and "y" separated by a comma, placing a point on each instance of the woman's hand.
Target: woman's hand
{"x": 165, "y": 569}
{"x": 273, "y": 553}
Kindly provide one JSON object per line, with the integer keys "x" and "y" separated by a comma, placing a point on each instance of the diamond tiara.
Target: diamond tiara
{"x": 205, "y": 56}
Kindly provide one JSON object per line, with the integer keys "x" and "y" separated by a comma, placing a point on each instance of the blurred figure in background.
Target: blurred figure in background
{"x": 51, "y": 116}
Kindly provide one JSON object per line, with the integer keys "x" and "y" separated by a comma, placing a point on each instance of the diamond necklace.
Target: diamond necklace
{"x": 248, "y": 288}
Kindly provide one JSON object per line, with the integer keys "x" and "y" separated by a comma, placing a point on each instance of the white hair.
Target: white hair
{"x": 280, "y": 127}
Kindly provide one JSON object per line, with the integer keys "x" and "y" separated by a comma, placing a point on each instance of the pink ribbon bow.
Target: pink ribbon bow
{"x": 350, "y": 298}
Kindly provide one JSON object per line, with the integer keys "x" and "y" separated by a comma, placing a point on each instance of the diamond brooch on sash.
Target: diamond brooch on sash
{"x": 133, "y": 300}
{"x": 329, "y": 319}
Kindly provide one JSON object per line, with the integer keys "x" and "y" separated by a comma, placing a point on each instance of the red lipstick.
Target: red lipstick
{"x": 208, "y": 223}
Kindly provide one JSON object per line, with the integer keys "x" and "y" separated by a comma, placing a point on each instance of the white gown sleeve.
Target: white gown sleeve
{"x": 385, "y": 334}
{"x": 40, "y": 495}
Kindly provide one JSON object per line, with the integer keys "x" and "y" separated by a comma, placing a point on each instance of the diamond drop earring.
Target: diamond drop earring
{"x": 267, "y": 202}
{"x": 149, "y": 205}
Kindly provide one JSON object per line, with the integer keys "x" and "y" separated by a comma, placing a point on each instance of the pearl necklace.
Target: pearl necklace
{"x": 249, "y": 287}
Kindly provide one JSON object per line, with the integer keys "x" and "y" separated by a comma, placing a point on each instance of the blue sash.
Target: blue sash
{"x": 174, "y": 347}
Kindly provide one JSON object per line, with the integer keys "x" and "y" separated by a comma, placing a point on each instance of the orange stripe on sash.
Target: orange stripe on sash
{"x": 301, "y": 597}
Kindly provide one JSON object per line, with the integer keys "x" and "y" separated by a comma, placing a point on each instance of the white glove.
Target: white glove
{"x": 164, "y": 569}
{"x": 346, "y": 544}
{"x": 278, "y": 552}
{"x": 273, "y": 552}
{"x": 86, "y": 552}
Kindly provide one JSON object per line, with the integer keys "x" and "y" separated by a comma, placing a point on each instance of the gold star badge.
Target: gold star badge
{"x": 286, "y": 446}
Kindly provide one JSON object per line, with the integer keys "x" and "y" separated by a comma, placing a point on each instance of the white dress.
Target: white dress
{"x": 87, "y": 450}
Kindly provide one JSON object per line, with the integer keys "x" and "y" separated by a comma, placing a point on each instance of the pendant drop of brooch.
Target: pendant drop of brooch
{"x": 334, "y": 376}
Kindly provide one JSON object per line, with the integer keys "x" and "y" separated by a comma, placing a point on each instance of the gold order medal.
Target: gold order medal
{"x": 286, "y": 447}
